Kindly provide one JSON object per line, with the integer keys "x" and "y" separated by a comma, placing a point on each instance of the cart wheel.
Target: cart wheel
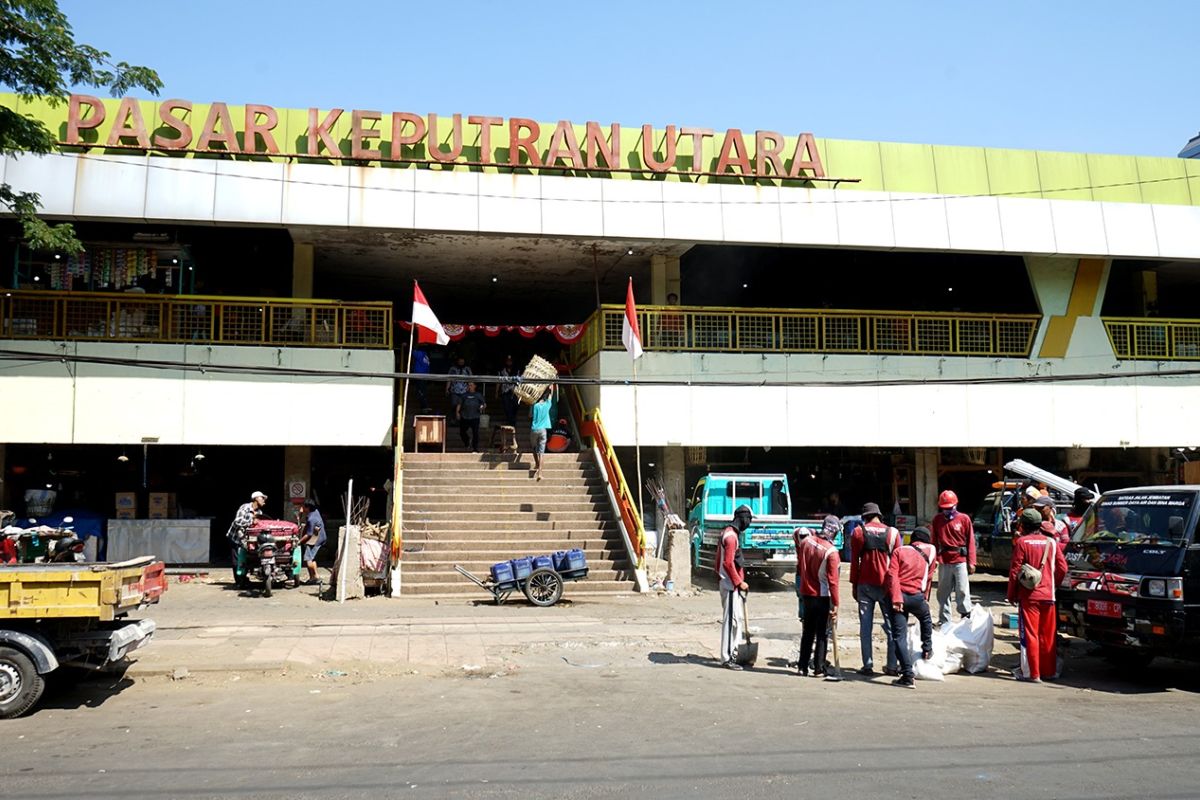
{"x": 267, "y": 585}
{"x": 544, "y": 587}
{"x": 20, "y": 684}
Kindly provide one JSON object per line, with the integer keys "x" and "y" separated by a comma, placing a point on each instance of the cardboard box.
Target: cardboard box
{"x": 126, "y": 500}
{"x": 126, "y": 513}
{"x": 162, "y": 500}
{"x": 1191, "y": 472}
{"x": 160, "y": 513}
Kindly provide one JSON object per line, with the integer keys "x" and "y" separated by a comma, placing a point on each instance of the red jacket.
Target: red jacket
{"x": 870, "y": 567}
{"x": 1062, "y": 532}
{"x": 911, "y": 571}
{"x": 8, "y": 550}
{"x": 951, "y": 534}
{"x": 817, "y": 568}
{"x": 1031, "y": 549}
{"x": 726, "y": 551}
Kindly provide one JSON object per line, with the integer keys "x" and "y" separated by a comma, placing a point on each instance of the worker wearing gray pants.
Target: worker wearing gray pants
{"x": 954, "y": 538}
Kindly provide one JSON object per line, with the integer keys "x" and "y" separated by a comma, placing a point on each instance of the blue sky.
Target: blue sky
{"x": 1094, "y": 76}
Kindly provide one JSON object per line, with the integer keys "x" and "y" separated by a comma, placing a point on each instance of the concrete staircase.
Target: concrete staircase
{"x": 474, "y": 509}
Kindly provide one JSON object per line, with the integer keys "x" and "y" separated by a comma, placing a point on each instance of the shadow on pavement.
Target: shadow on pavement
{"x": 659, "y": 657}
{"x": 70, "y": 689}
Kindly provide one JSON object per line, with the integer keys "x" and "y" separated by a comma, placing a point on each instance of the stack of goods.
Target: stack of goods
{"x": 117, "y": 267}
{"x": 568, "y": 563}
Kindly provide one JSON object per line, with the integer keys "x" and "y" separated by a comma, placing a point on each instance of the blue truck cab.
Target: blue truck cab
{"x": 768, "y": 546}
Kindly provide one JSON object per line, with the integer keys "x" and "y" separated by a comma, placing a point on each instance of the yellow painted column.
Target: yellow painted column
{"x": 302, "y": 270}
{"x": 1084, "y": 301}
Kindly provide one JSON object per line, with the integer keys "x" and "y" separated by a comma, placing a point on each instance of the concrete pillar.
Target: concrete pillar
{"x": 674, "y": 281}
{"x": 674, "y": 476}
{"x": 1070, "y": 293}
{"x": 926, "y": 488}
{"x": 297, "y": 468}
{"x": 302, "y": 270}
{"x": 658, "y": 280}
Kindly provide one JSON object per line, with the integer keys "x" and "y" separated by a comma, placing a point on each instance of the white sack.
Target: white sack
{"x": 972, "y": 639}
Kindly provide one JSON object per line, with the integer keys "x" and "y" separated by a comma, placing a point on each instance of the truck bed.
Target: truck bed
{"x": 87, "y": 591}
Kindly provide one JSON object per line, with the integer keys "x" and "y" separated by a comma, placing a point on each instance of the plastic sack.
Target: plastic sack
{"x": 972, "y": 639}
{"x": 934, "y": 668}
{"x": 925, "y": 671}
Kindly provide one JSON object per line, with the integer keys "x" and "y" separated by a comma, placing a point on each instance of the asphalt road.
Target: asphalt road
{"x": 670, "y": 726}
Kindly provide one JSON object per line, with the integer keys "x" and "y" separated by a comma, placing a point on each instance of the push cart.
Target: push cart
{"x": 542, "y": 587}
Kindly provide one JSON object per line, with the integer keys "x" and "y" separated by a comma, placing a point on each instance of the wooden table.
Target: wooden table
{"x": 429, "y": 429}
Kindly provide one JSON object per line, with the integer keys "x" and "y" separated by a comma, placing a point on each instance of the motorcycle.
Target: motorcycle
{"x": 270, "y": 552}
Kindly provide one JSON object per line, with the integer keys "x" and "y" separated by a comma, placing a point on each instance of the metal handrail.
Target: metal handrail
{"x": 593, "y": 427}
{"x": 1155, "y": 339}
{"x": 719, "y": 329}
{"x": 194, "y": 319}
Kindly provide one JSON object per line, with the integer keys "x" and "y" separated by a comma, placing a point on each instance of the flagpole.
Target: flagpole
{"x": 412, "y": 336}
{"x": 637, "y": 447}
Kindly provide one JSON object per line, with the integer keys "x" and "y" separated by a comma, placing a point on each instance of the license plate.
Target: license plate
{"x": 1104, "y": 608}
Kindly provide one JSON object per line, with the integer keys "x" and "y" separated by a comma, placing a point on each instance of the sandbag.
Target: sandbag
{"x": 925, "y": 671}
{"x": 972, "y": 639}
{"x": 934, "y": 668}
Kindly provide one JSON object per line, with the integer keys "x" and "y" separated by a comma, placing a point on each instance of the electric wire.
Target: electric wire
{"x": 1033, "y": 194}
{"x": 573, "y": 380}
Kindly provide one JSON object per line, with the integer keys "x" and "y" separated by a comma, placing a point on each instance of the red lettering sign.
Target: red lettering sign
{"x": 424, "y": 139}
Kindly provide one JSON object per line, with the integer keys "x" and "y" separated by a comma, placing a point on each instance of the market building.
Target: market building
{"x": 878, "y": 320}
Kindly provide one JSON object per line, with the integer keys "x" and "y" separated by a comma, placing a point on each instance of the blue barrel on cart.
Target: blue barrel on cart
{"x": 570, "y": 560}
{"x": 542, "y": 562}
{"x": 502, "y": 572}
{"x": 521, "y": 567}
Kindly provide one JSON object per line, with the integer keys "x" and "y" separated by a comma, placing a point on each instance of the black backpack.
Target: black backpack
{"x": 876, "y": 540}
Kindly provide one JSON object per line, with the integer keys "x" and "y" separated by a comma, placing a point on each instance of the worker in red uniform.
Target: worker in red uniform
{"x": 1036, "y": 611}
{"x": 909, "y": 580}
{"x": 1045, "y": 506}
{"x": 818, "y": 563}
{"x": 1081, "y": 502}
{"x": 871, "y": 548}
{"x": 732, "y": 575}
{"x": 954, "y": 538}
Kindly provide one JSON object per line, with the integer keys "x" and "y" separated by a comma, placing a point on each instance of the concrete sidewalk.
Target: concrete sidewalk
{"x": 451, "y": 643}
{"x": 210, "y": 627}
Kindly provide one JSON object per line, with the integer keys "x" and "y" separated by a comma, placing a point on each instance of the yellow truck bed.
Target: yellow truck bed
{"x": 89, "y": 591}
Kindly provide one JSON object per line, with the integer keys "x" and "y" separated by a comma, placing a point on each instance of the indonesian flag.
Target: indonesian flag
{"x": 429, "y": 330}
{"x": 631, "y": 337}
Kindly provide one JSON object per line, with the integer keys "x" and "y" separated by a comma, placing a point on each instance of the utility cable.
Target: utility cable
{"x": 571, "y": 380}
{"x": 1033, "y": 194}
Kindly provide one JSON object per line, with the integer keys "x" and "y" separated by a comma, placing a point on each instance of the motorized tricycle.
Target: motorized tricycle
{"x": 270, "y": 552}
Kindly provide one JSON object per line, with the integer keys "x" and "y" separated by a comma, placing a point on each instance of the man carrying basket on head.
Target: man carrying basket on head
{"x": 540, "y": 428}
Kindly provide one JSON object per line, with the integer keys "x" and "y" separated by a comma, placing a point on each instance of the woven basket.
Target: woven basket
{"x": 539, "y": 373}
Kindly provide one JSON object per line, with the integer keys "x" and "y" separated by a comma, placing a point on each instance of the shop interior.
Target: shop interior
{"x": 95, "y": 483}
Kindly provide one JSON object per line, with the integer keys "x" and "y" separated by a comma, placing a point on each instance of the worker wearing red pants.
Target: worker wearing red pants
{"x": 1035, "y": 598}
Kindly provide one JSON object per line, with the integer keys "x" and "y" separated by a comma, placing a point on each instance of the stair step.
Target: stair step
{"x": 570, "y": 591}
{"x": 471, "y": 504}
{"x": 447, "y": 513}
{"x": 486, "y": 558}
{"x": 540, "y": 544}
{"x": 453, "y": 578}
{"x": 482, "y": 566}
{"x": 498, "y": 490}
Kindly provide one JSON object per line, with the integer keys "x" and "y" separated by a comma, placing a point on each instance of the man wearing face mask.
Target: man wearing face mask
{"x": 733, "y": 585}
{"x": 954, "y": 538}
{"x": 818, "y": 572}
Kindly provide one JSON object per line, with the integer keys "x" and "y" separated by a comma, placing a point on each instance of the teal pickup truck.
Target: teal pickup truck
{"x": 768, "y": 546}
